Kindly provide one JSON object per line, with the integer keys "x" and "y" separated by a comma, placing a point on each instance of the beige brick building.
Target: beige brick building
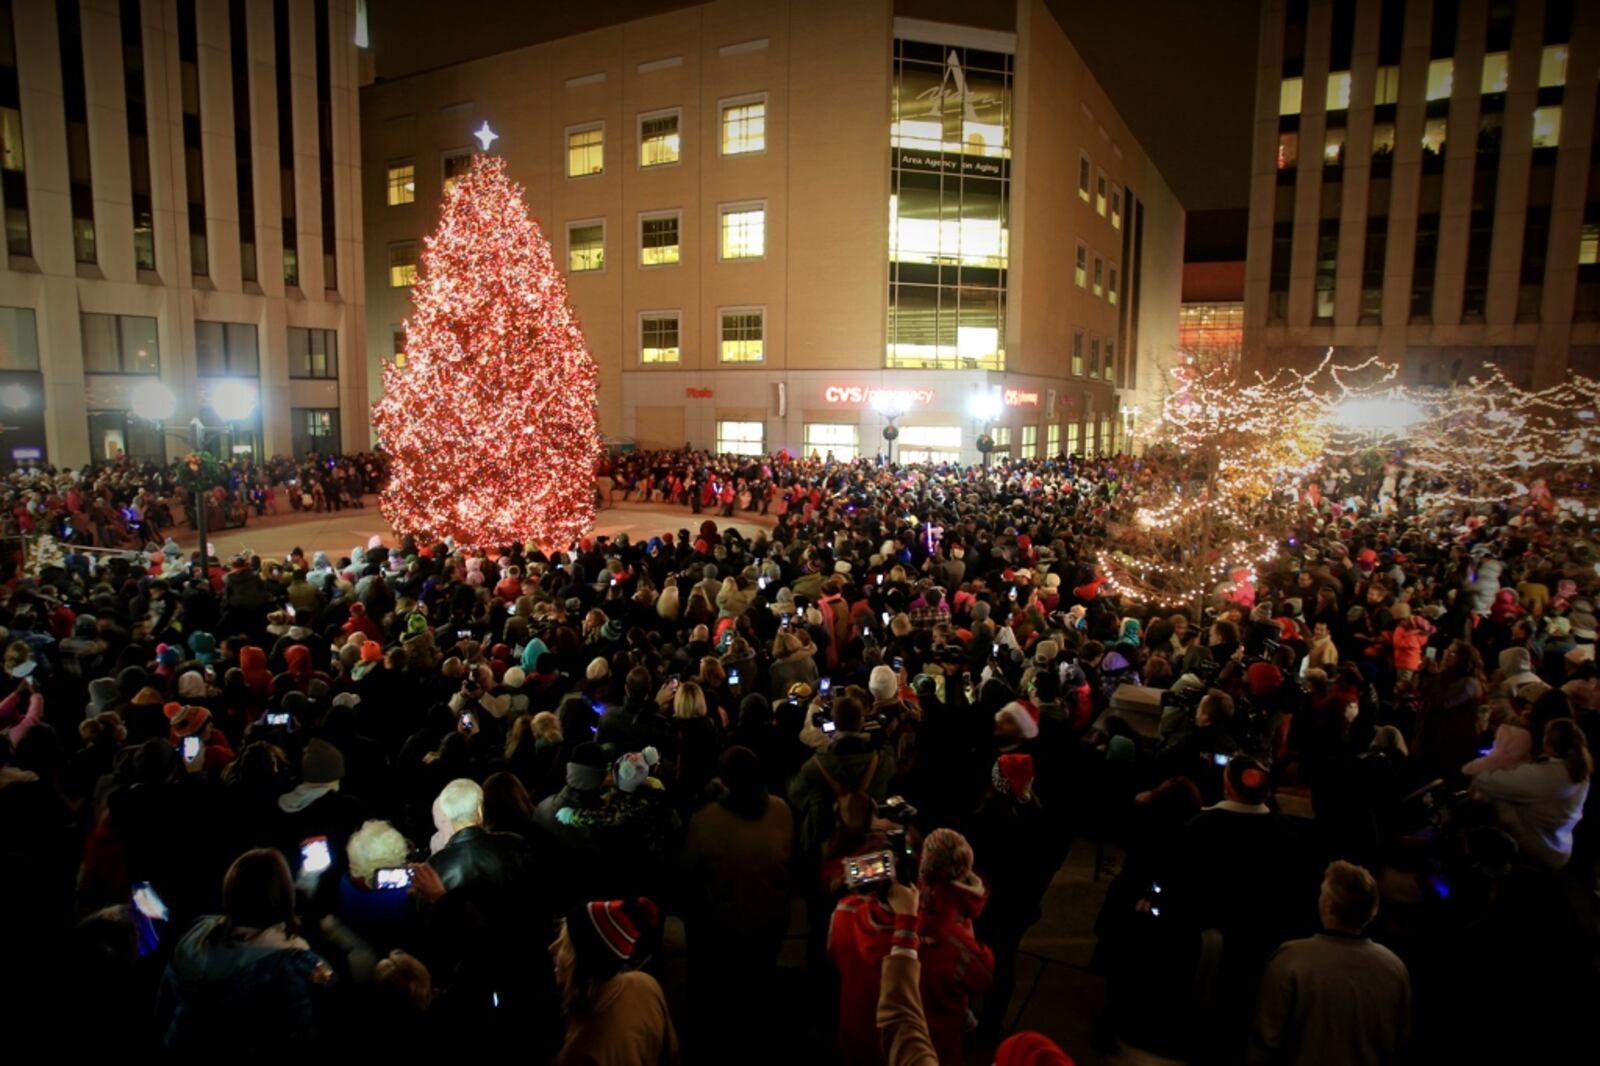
{"x": 773, "y": 214}
{"x": 180, "y": 186}
{"x": 1426, "y": 186}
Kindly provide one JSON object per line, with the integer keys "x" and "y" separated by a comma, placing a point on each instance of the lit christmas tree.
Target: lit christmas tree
{"x": 490, "y": 424}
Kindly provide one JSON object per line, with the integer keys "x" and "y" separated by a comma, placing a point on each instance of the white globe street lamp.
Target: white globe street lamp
{"x": 152, "y": 401}
{"x": 233, "y": 400}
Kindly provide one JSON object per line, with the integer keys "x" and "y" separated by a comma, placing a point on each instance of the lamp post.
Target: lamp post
{"x": 232, "y": 399}
{"x": 984, "y": 407}
{"x": 891, "y": 405}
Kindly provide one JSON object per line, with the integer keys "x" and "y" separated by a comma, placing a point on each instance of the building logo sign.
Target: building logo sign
{"x": 1021, "y": 398}
{"x": 868, "y": 395}
{"x": 697, "y": 394}
{"x": 965, "y": 165}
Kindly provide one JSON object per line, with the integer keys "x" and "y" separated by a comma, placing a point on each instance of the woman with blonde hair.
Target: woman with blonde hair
{"x": 667, "y": 604}
{"x": 533, "y": 752}
{"x": 378, "y": 915}
{"x": 698, "y": 744}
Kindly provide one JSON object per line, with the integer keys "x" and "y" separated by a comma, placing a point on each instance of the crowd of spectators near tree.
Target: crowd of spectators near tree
{"x": 1348, "y": 797}
{"x": 130, "y": 504}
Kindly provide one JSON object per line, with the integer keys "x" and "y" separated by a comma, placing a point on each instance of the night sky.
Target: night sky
{"x": 1180, "y": 71}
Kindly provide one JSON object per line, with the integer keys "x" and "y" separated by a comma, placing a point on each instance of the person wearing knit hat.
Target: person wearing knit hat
{"x": 1013, "y": 776}
{"x": 632, "y": 771}
{"x": 1014, "y": 725}
{"x": 215, "y": 752}
{"x": 598, "y": 669}
{"x": 587, "y": 773}
{"x": 371, "y": 656}
{"x": 615, "y": 1012}
{"x": 882, "y": 683}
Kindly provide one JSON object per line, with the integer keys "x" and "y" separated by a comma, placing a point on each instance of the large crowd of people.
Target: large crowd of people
{"x": 389, "y": 800}
{"x": 127, "y": 504}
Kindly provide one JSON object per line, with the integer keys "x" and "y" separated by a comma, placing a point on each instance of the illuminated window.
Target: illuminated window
{"x": 742, "y": 438}
{"x": 1382, "y": 138}
{"x": 1075, "y": 437}
{"x": 741, "y": 332}
{"x": 586, "y": 151}
{"x": 1387, "y": 90}
{"x": 658, "y": 337}
{"x": 1094, "y": 357}
{"x": 397, "y": 345}
{"x": 1030, "y": 442}
{"x": 1289, "y": 97}
{"x": 1083, "y": 176}
{"x": 658, "y": 239}
{"x": 1103, "y": 441}
{"x": 119, "y": 344}
{"x": 1116, "y": 207}
{"x": 1100, "y": 186}
{"x": 1433, "y": 136}
{"x": 454, "y": 167}
{"x": 1080, "y": 271}
{"x": 1589, "y": 245}
{"x": 402, "y": 264}
{"x": 1077, "y": 352}
{"x": 402, "y": 183}
{"x": 1288, "y": 149}
{"x": 744, "y": 231}
{"x": 1108, "y": 366}
{"x": 586, "y": 245}
{"x": 1052, "y": 440}
{"x": 1496, "y": 73}
{"x": 929, "y": 444}
{"x": 1333, "y": 147}
{"x": 1339, "y": 90}
{"x": 1553, "y": 66}
{"x": 744, "y": 126}
{"x": 1111, "y": 283}
{"x": 1441, "y": 79}
{"x": 1001, "y": 435}
{"x": 840, "y": 438}
{"x": 660, "y": 143}
{"x": 1547, "y": 126}
{"x": 1099, "y": 276}
{"x": 313, "y": 353}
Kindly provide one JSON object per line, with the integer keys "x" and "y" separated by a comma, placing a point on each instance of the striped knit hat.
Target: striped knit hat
{"x": 615, "y": 929}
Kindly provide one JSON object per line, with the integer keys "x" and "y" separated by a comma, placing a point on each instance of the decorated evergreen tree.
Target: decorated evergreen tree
{"x": 490, "y": 423}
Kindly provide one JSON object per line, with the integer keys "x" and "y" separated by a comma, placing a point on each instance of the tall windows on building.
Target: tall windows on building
{"x": 1077, "y": 352}
{"x": 283, "y": 59}
{"x": 840, "y": 439}
{"x": 658, "y": 337}
{"x": 144, "y": 226}
{"x": 949, "y": 205}
{"x": 1289, "y": 106}
{"x": 742, "y": 438}
{"x": 226, "y": 349}
{"x": 402, "y": 264}
{"x": 330, "y": 243}
{"x": 1541, "y": 176}
{"x": 744, "y": 125}
{"x": 586, "y": 150}
{"x": 194, "y": 167}
{"x": 658, "y": 238}
{"x": 1080, "y": 265}
{"x": 13, "y": 162}
{"x": 401, "y": 183}
{"x": 313, "y": 353}
{"x": 660, "y": 143}
{"x": 120, "y": 344}
{"x": 19, "y": 339}
{"x": 742, "y": 231}
{"x": 742, "y": 333}
{"x": 1486, "y": 168}
{"x": 586, "y": 245}
{"x": 74, "y": 98}
{"x": 316, "y": 429}
{"x": 454, "y": 166}
{"x": 243, "y": 148}
{"x": 1333, "y": 156}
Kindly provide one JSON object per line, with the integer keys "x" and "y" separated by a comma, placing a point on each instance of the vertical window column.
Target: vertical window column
{"x": 330, "y": 274}
{"x": 194, "y": 168}
{"x": 239, "y": 33}
{"x": 144, "y": 227}
{"x": 69, "y": 30}
{"x": 13, "y": 169}
{"x": 281, "y": 58}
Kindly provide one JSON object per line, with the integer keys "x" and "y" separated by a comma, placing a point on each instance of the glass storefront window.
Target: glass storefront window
{"x": 841, "y": 439}
{"x": 741, "y": 438}
{"x": 928, "y": 444}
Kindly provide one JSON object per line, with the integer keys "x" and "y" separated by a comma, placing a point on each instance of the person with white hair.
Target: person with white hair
{"x": 376, "y": 913}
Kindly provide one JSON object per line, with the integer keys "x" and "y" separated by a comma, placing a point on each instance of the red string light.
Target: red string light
{"x": 490, "y": 425}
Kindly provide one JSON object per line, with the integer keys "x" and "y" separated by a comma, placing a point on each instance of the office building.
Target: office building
{"x": 1426, "y": 187}
{"x": 179, "y": 181}
{"x": 776, "y": 216}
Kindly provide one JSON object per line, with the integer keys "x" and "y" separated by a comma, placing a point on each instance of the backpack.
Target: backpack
{"x": 853, "y": 807}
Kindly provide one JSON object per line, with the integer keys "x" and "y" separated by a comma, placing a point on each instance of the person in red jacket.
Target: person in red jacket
{"x": 1408, "y": 637}
{"x": 361, "y": 622}
{"x": 955, "y": 967}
